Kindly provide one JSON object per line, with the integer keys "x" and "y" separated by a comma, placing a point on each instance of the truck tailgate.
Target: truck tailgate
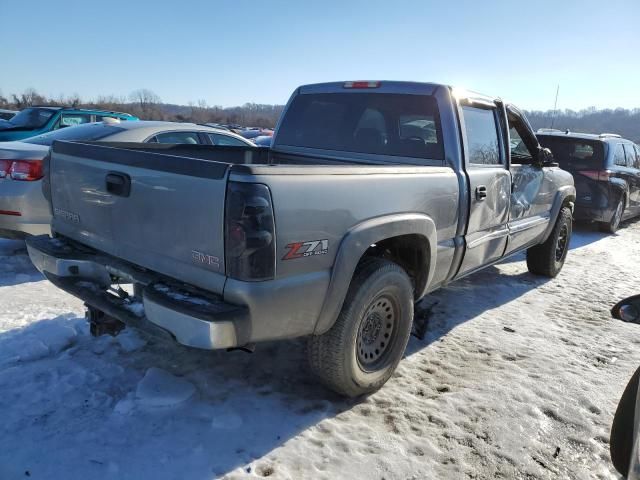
{"x": 159, "y": 211}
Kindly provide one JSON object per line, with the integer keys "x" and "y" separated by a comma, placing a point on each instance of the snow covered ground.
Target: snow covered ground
{"x": 472, "y": 400}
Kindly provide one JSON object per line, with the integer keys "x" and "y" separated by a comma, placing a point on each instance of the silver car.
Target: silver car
{"x": 23, "y": 208}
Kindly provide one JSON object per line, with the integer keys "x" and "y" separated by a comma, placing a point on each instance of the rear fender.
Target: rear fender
{"x": 356, "y": 242}
{"x": 619, "y": 188}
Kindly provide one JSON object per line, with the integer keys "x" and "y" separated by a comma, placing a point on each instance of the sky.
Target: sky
{"x": 229, "y": 53}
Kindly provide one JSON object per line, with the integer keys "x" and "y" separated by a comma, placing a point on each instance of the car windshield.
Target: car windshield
{"x": 32, "y": 117}
{"x": 574, "y": 153}
{"x": 89, "y": 131}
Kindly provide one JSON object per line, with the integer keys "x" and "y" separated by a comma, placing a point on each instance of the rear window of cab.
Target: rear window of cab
{"x": 373, "y": 123}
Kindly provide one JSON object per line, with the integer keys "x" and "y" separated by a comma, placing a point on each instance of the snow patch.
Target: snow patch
{"x": 45, "y": 338}
{"x": 183, "y": 297}
{"x": 135, "y": 307}
{"x": 226, "y": 420}
{"x": 158, "y": 388}
{"x": 130, "y": 340}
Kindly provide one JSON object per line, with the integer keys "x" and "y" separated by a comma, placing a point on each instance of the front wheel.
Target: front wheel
{"x": 363, "y": 348}
{"x": 548, "y": 258}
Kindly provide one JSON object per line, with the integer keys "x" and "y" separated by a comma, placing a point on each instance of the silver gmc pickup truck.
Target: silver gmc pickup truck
{"x": 373, "y": 195}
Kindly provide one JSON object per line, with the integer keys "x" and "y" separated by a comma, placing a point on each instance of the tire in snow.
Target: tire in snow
{"x": 548, "y": 258}
{"x": 613, "y": 225}
{"x": 360, "y": 352}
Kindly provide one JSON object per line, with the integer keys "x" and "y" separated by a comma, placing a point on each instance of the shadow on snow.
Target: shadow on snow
{"x": 15, "y": 265}
{"x": 76, "y": 397}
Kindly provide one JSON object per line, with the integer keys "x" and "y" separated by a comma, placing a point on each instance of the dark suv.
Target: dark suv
{"x": 606, "y": 172}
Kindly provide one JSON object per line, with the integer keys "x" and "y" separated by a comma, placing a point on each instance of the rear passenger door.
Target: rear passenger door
{"x": 489, "y": 185}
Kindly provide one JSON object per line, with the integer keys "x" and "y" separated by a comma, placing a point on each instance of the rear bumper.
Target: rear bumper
{"x": 191, "y": 317}
{"x": 27, "y": 200}
{"x": 589, "y": 214}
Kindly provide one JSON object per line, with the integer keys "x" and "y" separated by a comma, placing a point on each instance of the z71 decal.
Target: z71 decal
{"x": 307, "y": 249}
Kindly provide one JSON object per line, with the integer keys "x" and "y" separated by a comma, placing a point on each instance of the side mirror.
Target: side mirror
{"x": 545, "y": 158}
{"x": 627, "y": 310}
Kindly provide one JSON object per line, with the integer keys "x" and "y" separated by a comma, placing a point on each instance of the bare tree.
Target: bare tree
{"x": 28, "y": 98}
{"x": 147, "y": 103}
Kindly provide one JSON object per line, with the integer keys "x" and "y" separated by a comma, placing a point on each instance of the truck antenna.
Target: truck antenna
{"x": 555, "y": 107}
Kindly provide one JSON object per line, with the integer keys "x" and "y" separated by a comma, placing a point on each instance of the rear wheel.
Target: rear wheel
{"x": 548, "y": 258}
{"x": 613, "y": 225}
{"x": 363, "y": 348}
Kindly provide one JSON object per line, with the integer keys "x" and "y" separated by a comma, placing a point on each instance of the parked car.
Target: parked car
{"x": 624, "y": 443}
{"x": 373, "y": 195}
{"x": 606, "y": 171}
{"x": 6, "y": 114}
{"x": 23, "y": 208}
{"x": 34, "y": 121}
{"x": 217, "y": 125}
{"x": 250, "y": 133}
{"x": 263, "y": 140}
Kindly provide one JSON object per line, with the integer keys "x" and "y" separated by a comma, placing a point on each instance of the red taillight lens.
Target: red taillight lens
{"x": 361, "y": 84}
{"x": 26, "y": 170}
{"x": 599, "y": 175}
{"x": 5, "y": 167}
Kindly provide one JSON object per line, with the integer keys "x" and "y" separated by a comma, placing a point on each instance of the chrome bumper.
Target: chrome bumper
{"x": 193, "y": 318}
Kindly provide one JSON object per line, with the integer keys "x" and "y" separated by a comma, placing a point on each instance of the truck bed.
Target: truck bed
{"x": 170, "y": 214}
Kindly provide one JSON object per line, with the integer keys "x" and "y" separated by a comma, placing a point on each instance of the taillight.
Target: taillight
{"x": 250, "y": 246}
{"x": 599, "y": 175}
{"x": 5, "y": 167}
{"x": 24, "y": 170}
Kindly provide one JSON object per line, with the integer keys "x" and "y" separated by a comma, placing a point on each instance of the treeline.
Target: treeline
{"x": 625, "y": 122}
{"x": 146, "y": 105}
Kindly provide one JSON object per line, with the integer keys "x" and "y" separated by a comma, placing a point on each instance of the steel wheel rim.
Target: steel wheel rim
{"x": 561, "y": 243}
{"x": 377, "y": 332}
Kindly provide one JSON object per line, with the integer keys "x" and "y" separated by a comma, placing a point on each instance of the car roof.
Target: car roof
{"x": 74, "y": 109}
{"x": 146, "y": 128}
{"x": 134, "y": 131}
{"x": 601, "y": 137}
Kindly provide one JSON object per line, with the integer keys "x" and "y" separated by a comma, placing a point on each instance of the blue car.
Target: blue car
{"x": 37, "y": 120}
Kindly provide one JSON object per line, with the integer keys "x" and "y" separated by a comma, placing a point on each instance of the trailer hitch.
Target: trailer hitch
{"x": 102, "y": 324}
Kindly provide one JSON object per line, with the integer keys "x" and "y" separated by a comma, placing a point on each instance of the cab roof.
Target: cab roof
{"x": 601, "y": 137}
{"x": 393, "y": 86}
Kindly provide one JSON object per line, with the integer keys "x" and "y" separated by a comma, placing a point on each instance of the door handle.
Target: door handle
{"x": 118, "y": 184}
{"x": 481, "y": 192}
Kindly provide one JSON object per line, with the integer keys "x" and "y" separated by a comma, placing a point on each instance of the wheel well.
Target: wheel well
{"x": 569, "y": 202}
{"x": 411, "y": 252}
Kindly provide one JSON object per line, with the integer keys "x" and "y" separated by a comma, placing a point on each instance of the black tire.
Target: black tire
{"x": 613, "y": 225}
{"x": 548, "y": 258}
{"x": 363, "y": 348}
{"x": 622, "y": 438}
